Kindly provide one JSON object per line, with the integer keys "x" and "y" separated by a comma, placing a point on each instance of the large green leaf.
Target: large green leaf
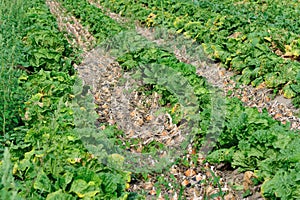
{"x": 42, "y": 182}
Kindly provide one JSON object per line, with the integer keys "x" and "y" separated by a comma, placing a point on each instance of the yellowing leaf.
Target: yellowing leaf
{"x": 70, "y": 138}
{"x": 79, "y": 194}
{"x": 90, "y": 194}
{"x": 268, "y": 39}
{"x": 288, "y": 92}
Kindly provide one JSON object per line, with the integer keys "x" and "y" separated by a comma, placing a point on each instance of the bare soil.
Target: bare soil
{"x": 134, "y": 112}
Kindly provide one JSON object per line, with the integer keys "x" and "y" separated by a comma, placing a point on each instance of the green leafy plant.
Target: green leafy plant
{"x": 93, "y": 18}
{"x": 49, "y": 159}
{"x": 54, "y": 162}
{"x": 8, "y": 186}
{"x": 235, "y": 34}
{"x": 11, "y": 106}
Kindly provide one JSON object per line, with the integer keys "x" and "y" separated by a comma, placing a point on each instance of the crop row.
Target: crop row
{"x": 247, "y": 138}
{"x": 244, "y": 137}
{"x": 42, "y": 153}
{"x": 100, "y": 25}
{"x": 260, "y": 41}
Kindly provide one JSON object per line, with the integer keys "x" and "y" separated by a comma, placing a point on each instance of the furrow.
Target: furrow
{"x": 261, "y": 97}
{"x": 81, "y": 36}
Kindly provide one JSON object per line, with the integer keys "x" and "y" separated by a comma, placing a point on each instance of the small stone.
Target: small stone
{"x": 209, "y": 190}
{"x": 148, "y": 186}
{"x": 229, "y": 196}
{"x": 104, "y": 106}
{"x": 164, "y": 133}
{"x": 130, "y": 133}
{"x": 245, "y": 99}
{"x": 198, "y": 177}
{"x": 278, "y": 115}
{"x": 185, "y": 182}
{"x": 289, "y": 114}
{"x": 189, "y": 172}
{"x": 152, "y": 192}
{"x": 149, "y": 118}
{"x": 208, "y": 173}
{"x": 139, "y": 122}
{"x": 133, "y": 113}
{"x": 111, "y": 121}
{"x": 247, "y": 179}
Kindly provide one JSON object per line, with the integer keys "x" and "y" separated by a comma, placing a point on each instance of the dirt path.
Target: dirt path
{"x": 261, "y": 97}
{"x": 80, "y": 36}
{"x": 103, "y": 73}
